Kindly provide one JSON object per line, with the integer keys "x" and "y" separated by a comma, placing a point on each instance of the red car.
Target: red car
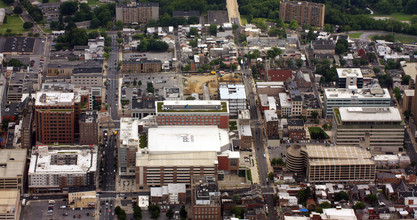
{"x": 79, "y": 216}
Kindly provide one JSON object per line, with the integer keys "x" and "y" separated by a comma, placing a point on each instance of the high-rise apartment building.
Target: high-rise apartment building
{"x": 57, "y": 115}
{"x": 193, "y": 112}
{"x": 379, "y": 129}
{"x": 341, "y": 97}
{"x": 303, "y": 12}
{"x": 137, "y": 13}
{"x": 128, "y": 145}
{"x": 331, "y": 164}
{"x": 56, "y": 168}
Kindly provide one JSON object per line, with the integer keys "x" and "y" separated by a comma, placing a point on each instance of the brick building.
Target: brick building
{"x": 57, "y": 115}
{"x": 89, "y": 128}
{"x": 271, "y": 121}
{"x": 137, "y": 13}
{"x": 303, "y": 12}
{"x": 296, "y": 130}
{"x": 229, "y": 161}
{"x": 205, "y": 199}
{"x": 193, "y": 112}
{"x": 144, "y": 66}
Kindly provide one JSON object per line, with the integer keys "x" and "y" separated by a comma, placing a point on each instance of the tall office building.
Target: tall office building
{"x": 347, "y": 77}
{"x": 331, "y": 164}
{"x": 335, "y": 98}
{"x": 137, "y": 13}
{"x": 303, "y": 12}
{"x": 193, "y": 112}
{"x": 57, "y": 115}
{"x": 236, "y": 96}
{"x": 379, "y": 129}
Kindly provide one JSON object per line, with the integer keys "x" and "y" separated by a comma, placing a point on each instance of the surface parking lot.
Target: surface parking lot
{"x": 38, "y": 209}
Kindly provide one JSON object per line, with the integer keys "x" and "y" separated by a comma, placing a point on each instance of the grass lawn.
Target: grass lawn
{"x": 355, "y": 35}
{"x": 14, "y": 23}
{"x": 94, "y": 3}
{"x": 2, "y": 5}
{"x": 405, "y": 39}
{"x": 232, "y": 125}
{"x": 317, "y": 133}
{"x": 398, "y": 16}
{"x": 244, "y": 20}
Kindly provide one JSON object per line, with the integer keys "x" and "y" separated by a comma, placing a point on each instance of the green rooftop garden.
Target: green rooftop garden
{"x": 160, "y": 108}
{"x": 337, "y": 113}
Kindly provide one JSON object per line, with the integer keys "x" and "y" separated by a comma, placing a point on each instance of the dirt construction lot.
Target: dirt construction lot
{"x": 195, "y": 83}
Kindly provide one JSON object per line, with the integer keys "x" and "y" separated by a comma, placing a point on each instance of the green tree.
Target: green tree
{"x": 271, "y": 176}
{"x": 384, "y": 7}
{"x": 293, "y": 25}
{"x": 397, "y": 93}
{"x": 341, "y": 195}
{"x": 27, "y": 25}
{"x": 121, "y": 215}
{"x": 117, "y": 210}
{"x": 17, "y": 10}
{"x": 304, "y": 194}
{"x": 341, "y": 46}
{"x": 170, "y": 213}
{"x": 238, "y": 212}
{"x": 372, "y": 197}
{"x": 119, "y": 25}
{"x": 149, "y": 87}
{"x": 183, "y": 213}
{"x": 325, "y": 205}
{"x": 155, "y": 211}
{"x": 299, "y": 62}
{"x": 68, "y": 8}
{"x": 408, "y": 113}
{"x": 193, "y": 31}
{"x": 15, "y": 63}
{"x": 406, "y": 79}
{"x": 8, "y": 2}
{"x": 413, "y": 19}
{"x": 213, "y": 29}
{"x": 359, "y": 205}
{"x": 137, "y": 213}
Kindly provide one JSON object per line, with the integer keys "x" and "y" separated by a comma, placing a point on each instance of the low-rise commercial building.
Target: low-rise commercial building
{"x": 331, "y": 164}
{"x": 173, "y": 193}
{"x": 82, "y": 199}
{"x": 56, "y": 168}
{"x": 296, "y": 130}
{"x": 193, "y": 112}
{"x": 177, "y": 153}
{"x": 379, "y": 129}
{"x": 12, "y": 169}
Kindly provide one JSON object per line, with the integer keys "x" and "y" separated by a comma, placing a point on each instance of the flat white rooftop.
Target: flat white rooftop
{"x": 349, "y": 72}
{"x": 362, "y": 114}
{"x": 191, "y": 102}
{"x": 232, "y": 91}
{"x": 271, "y": 115}
{"x": 129, "y": 134}
{"x": 164, "y": 139}
{"x": 84, "y": 160}
{"x": 54, "y": 98}
{"x": 342, "y": 93}
{"x": 284, "y": 100}
{"x": 341, "y": 214}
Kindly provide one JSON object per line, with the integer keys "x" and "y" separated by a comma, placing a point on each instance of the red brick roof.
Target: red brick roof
{"x": 279, "y": 75}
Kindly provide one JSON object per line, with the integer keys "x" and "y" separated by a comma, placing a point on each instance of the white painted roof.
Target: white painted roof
{"x": 186, "y": 139}
{"x": 232, "y": 91}
{"x": 369, "y": 114}
{"x": 54, "y": 98}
